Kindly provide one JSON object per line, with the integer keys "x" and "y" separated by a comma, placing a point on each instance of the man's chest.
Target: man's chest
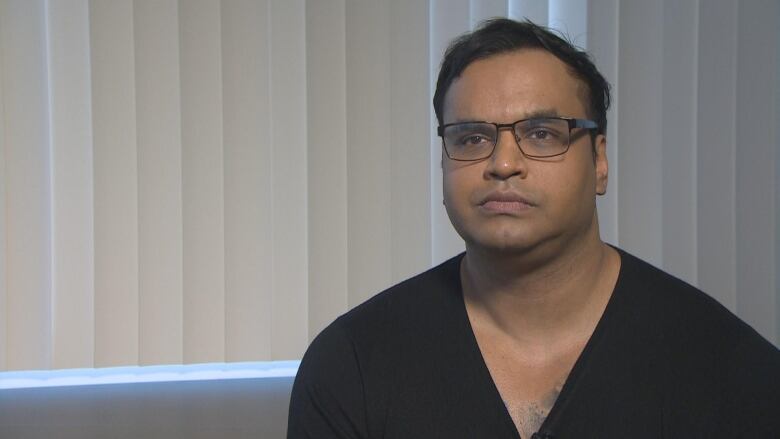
{"x": 461, "y": 399}
{"x": 528, "y": 386}
{"x": 455, "y": 390}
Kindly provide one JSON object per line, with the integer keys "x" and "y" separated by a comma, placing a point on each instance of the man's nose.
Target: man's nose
{"x": 507, "y": 159}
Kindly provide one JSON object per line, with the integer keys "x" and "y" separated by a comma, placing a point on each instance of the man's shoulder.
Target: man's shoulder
{"x": 674, "y": 303}
{"x": 400, "y": 314}
{"x": 663, "y": 338}
{"x": 391, "y": 330}
{"x": 412, "y": 299}
{"x": 705, "y": 341}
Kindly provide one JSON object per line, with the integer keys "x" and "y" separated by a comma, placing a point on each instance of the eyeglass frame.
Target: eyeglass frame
{"x": 571, "y": 121}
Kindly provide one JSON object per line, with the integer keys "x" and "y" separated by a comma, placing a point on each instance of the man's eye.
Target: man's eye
{"x": 474, "y": 140}
{"x": 541, "y": 134}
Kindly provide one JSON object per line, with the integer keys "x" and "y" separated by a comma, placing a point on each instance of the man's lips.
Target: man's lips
{"x": 505, "y": 202}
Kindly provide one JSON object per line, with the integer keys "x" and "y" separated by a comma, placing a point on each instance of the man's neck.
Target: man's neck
{"x": 537, "y": 299}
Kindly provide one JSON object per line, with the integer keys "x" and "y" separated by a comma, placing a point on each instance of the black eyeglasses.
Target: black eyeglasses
{"x": 539, "y": 137}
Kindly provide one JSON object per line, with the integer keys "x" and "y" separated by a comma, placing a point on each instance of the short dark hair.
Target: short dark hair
{"x": 501, "y": 35}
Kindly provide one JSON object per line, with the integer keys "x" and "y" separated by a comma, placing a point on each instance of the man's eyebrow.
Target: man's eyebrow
{"x": 543, "y": 112}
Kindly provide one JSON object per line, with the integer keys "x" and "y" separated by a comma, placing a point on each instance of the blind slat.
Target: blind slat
{"x": 249, "y": 176}
{"x": 202, "y": 182}
{"x": 327, "y": 161}
{"x": 534, "y": 10}
{"x": 116, "y": 183}
{"x": 158, "y": 129}
{"x": 73, "y": 266}
{"x": 289, "y": 292}
{"x": 715, "y": 161}
{"x": 27, "y": 178}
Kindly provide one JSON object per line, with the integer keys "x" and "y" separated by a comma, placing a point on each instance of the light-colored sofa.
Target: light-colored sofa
{"x": 232, "y": 408}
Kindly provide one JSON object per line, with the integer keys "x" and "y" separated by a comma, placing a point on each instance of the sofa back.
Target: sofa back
{"x": 231, "y": 408}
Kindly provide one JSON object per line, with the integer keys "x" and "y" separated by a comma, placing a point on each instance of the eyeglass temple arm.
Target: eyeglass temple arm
{"x": 584, "y": 123}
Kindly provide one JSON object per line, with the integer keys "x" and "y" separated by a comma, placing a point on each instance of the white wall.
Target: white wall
{"x": 201, "y": 181}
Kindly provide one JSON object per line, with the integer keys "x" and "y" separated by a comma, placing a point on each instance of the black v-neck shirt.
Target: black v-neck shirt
{"x": 664, "y": 361}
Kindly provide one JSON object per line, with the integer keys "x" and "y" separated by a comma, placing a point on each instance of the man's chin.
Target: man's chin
{"x": 514, "y": 245}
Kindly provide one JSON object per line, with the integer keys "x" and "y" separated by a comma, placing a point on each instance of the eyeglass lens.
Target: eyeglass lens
{"x": 536, "y": 137}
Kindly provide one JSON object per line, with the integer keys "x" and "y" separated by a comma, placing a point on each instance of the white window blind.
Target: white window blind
{"x": 205, "y": 181}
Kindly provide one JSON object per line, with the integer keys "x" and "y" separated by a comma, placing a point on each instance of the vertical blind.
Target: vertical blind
{"x": 208, "y": 181}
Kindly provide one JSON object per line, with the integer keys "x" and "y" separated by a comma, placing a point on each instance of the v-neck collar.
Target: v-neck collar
{"x": 546, "y": 430}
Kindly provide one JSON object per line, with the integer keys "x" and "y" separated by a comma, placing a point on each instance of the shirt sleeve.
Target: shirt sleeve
{"x": 327, "y": 399}
{"x": 754, "y": 388}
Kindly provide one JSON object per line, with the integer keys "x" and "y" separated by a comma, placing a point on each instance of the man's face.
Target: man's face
{"x": 509, "y": 202}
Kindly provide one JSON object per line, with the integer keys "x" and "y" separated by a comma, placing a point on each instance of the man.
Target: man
{"x": 540, "y": 329}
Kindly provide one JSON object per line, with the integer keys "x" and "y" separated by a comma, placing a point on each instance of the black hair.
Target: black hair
{"x": 502, "y": 35}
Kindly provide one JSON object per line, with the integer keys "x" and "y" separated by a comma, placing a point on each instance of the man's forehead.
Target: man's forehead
{"x": 515, "y": 85}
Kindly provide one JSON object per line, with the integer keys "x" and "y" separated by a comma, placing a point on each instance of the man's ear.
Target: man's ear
{"x": 602, "y": 165}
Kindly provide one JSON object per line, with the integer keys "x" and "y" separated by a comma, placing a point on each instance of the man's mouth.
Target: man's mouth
{"x": 505, "y": 203}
